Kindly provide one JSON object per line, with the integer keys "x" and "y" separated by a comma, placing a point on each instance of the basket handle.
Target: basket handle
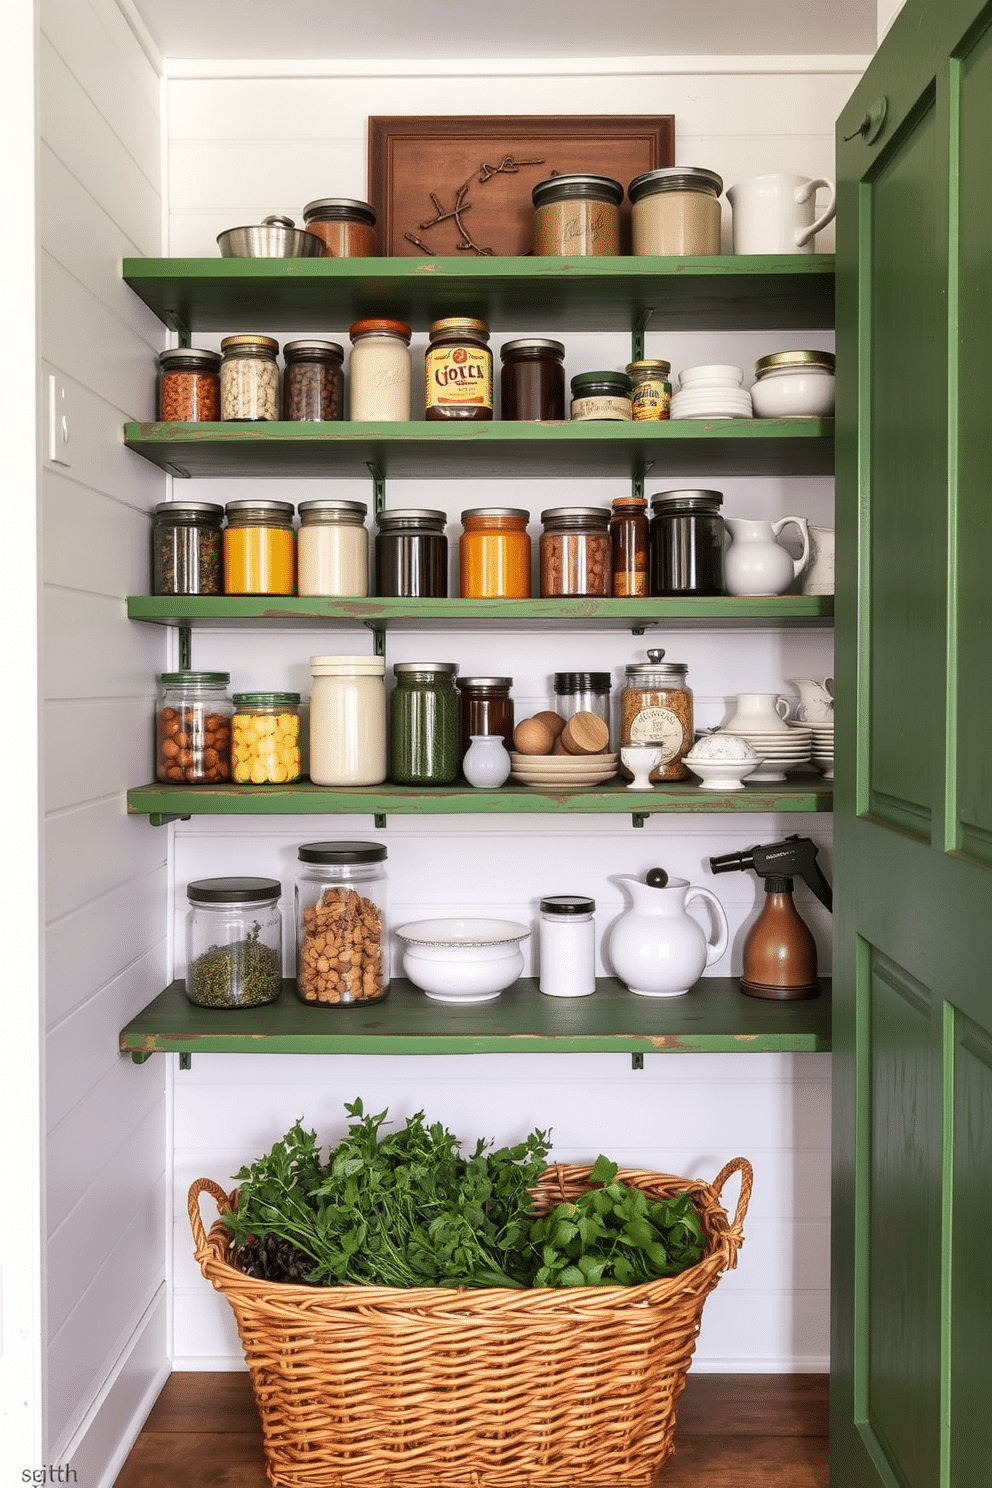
{"x": 223, "y": 1202}
{"x": 742, "y": 1166}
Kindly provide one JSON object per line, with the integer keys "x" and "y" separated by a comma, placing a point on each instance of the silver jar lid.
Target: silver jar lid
{"x": 688, "y": 500}
{"x": 495, "y": 511}
{"x": 597, "y": 514}
{"x": 438, "y": 668}
{"x": 571, "y": 187}
{"x": 675, "y": 178}
{"x": 332, "y": 509}
{"x": 311, "y": 348}
{"x": 262, "y": 504}
{"x": 464, "y": 682}
{"x": 206, "y": 509}
{"x": 535, "y": 344}
{"x": 189, "y": 359}
{"x": 656, "y": 670}
{"x": 410, "y": 516}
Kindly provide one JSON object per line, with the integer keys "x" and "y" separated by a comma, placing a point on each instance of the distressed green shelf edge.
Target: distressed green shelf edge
{"x": 714, "y": 1017}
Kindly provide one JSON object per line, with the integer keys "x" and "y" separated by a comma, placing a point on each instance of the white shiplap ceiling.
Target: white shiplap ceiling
{"x": 419, "y": 30}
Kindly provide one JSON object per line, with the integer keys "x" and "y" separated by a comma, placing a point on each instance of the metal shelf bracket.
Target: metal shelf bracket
{"x": 637, "y": 1061}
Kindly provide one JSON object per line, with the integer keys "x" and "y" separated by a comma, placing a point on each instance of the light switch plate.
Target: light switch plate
{"x": 58, "y": 421}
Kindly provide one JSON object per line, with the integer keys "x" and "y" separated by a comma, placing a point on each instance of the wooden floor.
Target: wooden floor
{"x": 733, "y": 1431}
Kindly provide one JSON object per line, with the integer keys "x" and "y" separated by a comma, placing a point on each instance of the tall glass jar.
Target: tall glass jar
{"x": 259, "y": 547}
{"x": 342, "y": 951}
{"x": 312, "y": 381}
{"x": 484, "y": 707}
{"x": 188, "y": 385}
{"x": 494, "y": 553}
{"x": 629, "y": 543}
{"x": 193, "y": 728}
{"x": 249, "y": 379}
{"x": 233, "y": 942}
{"x": 332, "y": 547}
{"x": 583, "y": 692}
{"x": 532, "y": 380}
{"x": 347, "y": 720}
{"x": 411, "y": 553}
{"x": 345, "y": 227}
{"x": 577, "y": 215}
{"x": 458, "y": 371}
{"x": 424, "y": 748}
{"x": 379, "y": 371}
{"x": 687, "y": 541}
{"x": 656, "y": 708}
{"x": 265, "y": 738}
{"x": 676, "y": 211}
{"x": 576, "y": 555}
{"x": 651, "y": 389}
{"x": 187, "y": 548}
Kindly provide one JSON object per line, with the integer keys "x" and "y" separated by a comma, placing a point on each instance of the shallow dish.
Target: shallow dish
{"x": 722, "y": 774}
{"x": 276, "y": 237}
{"x": 462, "y": 960}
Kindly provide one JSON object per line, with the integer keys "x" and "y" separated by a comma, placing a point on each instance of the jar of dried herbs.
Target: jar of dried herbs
{"x": 424, "y": 748}
{"x": 187, "y": 548}
{"x": 233, "y": 942}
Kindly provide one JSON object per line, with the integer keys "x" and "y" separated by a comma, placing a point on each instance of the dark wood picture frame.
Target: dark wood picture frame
{"x": 460, "y": 185}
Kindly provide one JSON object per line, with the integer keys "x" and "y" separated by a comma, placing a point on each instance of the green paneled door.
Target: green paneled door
{"x": 912, "y": 1199}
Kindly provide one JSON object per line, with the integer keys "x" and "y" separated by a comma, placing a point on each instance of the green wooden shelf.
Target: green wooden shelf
{"x": 714, "y": 1017}
{"x": 319, "y": 295}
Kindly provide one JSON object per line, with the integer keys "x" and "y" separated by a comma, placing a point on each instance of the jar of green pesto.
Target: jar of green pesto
{"x": 424, "y": 717}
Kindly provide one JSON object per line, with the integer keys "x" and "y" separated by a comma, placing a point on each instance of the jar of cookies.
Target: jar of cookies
{"x": 341, "y": 946}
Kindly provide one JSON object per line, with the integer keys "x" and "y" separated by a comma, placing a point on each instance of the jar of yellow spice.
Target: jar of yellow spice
{"x": 259, "y": 547}
{"x": 265, "y": 738}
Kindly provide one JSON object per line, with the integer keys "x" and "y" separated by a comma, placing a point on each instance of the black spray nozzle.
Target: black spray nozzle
{"x": 795, "y": 857}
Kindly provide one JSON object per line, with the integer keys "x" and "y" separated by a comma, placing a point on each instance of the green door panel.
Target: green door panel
{"x": 971, "y": 1272}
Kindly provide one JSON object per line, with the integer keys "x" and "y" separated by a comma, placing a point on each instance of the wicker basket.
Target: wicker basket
{"x": 385, "y": 1387}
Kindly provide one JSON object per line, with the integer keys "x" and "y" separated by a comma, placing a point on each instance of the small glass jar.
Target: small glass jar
{"x": 656, "y": 708}
{"x": 347, "y": 720}
{"x": 458, "y": 371}
{"x": 576, "y": 555}
{"x": 313, "y": 382}
{"x": 629, "y": 543}
{"x": 484, "y": 707}
{"x": 249, "y": 379}
{"x": 601, "y": 395}
{"x": 583, "y": 692}
{"x": 233, "y": 942}
{"x": 379, "y": 371}
{"x": 345, "y": 227}
{"x": 265, "y": 738}
{"x": 342, "y": 950}
{"x": 532, "y": 380}
{"x": 187, "y": 548}
{"x": 567, "y": 946}
{"x": 259, "y": 547}
{"x": 332, "y": 547}
{"x": 193, "y": 728}
{"x": 411, "y": 553}
{"x": 188, "y": 386}
{"x": 577, "y": 215}
{"x": 651, "y": 389}
{"x": 494, "y": 553}
{"x": 676, "y": 211}
{"x": 425, "y": 745}
{"x": 687, "y": 541}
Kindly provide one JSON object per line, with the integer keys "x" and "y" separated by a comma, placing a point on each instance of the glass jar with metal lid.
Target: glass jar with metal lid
{"x": 532, "y": 380}
{"x": 342, "y": 949}
{"x": 577, "y": 215}
{"x": 484, "y": 707}
{"x": 187, "y": 548}
{"x": 583, "y": 692}
{"x": 379, "y": 368}
{"x": 312, "y": 381}
{"x": 676, "y": 211}
{"x": 411, "y": 553}
{"x": 233, "y": 942}
{"x": 601, "y": 395}
{"x": 249, "y": 379}
{"x": 332, "y": 547}
{"x": 687, "y": 540}
{"x": 424, "y": 718}
{"x": 345, "y": 227}
{"x": 188, "y": 385}
{"x": 794, "y": 384}
{"x": 458, "y": 370}
{"x": 265, "y": 738}
{"x": 494, "y": 553}
{"x": 656, "y": 708}
{"x": 651, "y": 389}
{"x": 259, "y": 547}
{"x": 193, "y": 728}
{"x": 575, "y": 551}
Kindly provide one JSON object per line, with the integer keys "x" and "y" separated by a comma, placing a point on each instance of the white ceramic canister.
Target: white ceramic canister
{"x": 348, "y": 720}
{"x": 676, "y": 211}
{"x": 379, "y": 371}
{"x": 567, "y": 946}
{"x": 332, "y": 547}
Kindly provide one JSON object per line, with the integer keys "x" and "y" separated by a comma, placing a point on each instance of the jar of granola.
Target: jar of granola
{"x": 656, "y": 708}
{"x": 576, "y": 553}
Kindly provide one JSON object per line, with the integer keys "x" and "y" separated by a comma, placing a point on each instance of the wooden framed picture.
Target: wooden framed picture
{"x": 461, "y": 184}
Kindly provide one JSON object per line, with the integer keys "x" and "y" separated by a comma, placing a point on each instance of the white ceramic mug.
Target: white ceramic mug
{"x": 777, "y": 214}
{"x": 763, "y": 712}
{"x": 819, "y": 576}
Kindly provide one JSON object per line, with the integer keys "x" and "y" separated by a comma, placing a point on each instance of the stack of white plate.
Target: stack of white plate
{"x": 563, "y": 771}
{"x": 823, "y": 748}
{"x": 713, "y": 391}
{"x": 779, "y": 749}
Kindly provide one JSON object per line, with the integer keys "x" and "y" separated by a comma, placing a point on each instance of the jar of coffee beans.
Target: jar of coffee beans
{"x": 193, "y": 728}
{"x": 576, "y": 553}
{"x": 313, "y": 381}
{"x": 233, "y": 942}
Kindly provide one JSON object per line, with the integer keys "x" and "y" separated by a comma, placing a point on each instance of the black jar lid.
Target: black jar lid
{"x": 266, "y": 699}
{"x": 194, "y": 679}
{"x": 209, "y": 510}
{"x": 569, "y": 682}
{"x": 188, "y": 359}
{"x": 532, "y": 345}
{"x": 585, "y": 384}
{"x": 232, "y": 890}
{"x": 341, "y": 852}
{"x": 467, "y": 682}
{"x": 675, "y": 178}
{"x": 666, "y": 503}
{"x": 567, "y": 904}
{"x": 410, "y": 516}
{"x": 339, "y": 209}
{"x": 569, "y": 187}
{"x": 331, "y": 351}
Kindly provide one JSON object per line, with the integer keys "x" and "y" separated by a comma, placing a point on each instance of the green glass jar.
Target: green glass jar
{"x": 424, "y": 742}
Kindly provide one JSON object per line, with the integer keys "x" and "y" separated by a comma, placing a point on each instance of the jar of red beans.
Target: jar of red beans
{"x": 193, "y": 728}
{"x": 188, "y": 386}
{"x": 576, "y": 553}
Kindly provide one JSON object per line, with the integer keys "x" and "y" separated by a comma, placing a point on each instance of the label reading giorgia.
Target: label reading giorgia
{"x": 458, "y": 370}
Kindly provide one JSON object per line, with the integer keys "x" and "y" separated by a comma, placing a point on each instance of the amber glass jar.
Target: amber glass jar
{"x": 629, "y": 541}
{"x": 484, "y": 707}
{"x": 532, "y": 380}
{"x": 575, "y": 551}
{"x": 656, "y": 708}
{"x": 259, "y": 547}
{"x": 577, "y": 215}
{"x": 458, "y": 370}
{"x": 345, "y": 227}
{"x": 651, "y": 390}
{"x": 494, "y": 553}
{"x": 188, "y": 386}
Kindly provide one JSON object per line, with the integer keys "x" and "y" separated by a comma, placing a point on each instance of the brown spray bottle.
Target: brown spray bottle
{"x": 779, "y": 952}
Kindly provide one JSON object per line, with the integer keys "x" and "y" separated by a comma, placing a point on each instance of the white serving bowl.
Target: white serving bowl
{"x": 794, "y": 392}
{"x": 462, "y": 960}
{"x": 722, "y": 774}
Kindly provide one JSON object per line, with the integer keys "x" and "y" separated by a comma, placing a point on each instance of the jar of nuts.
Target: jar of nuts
{"x": 313, "y": 382}
{"x": 656, "y": 708}
{"x": 576, "y": 553}
{"x": 265, "y": 738}
{"x": 341, "y": 947}
{"x": 249, "y": 379}
{"x": 193, "y": 728}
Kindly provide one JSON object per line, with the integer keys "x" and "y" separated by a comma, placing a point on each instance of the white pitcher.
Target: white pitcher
{"x": 755, "y": 562}
{"x": 777, "y": 214}
{"x": 816, "y": 703}
{"x": 819, "y": 576}
{"x": 657, "y": 948}
{"x": 758, "y": 713}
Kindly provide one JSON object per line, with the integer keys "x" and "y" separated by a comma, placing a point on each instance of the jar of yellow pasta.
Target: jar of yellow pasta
{"x": 265, "y": 738}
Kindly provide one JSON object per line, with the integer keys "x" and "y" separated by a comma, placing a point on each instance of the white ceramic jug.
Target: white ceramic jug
{"x": 657, "y": 948}
{"x": 755, "y": 562}
{"x": 819, "y": 576}
{"x": 816, "y": 703}
{"x": 777, "y": 214}
{"x": 487, "y": 763}
{"x": 758, "y": 713}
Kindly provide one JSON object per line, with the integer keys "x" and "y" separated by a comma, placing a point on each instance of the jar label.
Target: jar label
{"x": 458, "y": 376}
{"x": 600, "y": 408}
{"x": 651, "y": 400}
{"x": 658, "y": 726}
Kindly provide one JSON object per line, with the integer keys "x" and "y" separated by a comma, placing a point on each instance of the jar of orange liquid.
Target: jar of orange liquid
{"x": 494, "y": 553}
{"x": 259, "y": 547}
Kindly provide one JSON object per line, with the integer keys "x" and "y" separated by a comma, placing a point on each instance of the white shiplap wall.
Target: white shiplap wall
{"x": 238, "y": 148}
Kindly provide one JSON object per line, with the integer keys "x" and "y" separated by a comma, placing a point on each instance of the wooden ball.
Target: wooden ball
{"x": 554, "y": 721}
{"x": 585, "y": 733}
{"x": 531, "y": 736}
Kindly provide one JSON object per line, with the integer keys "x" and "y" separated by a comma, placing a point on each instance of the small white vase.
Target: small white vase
{"x": 486, "y": 764}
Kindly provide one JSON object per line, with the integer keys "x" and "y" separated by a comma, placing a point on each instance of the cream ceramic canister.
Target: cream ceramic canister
{"x": 756, "y": 563}
{"x": 657, "y": 947}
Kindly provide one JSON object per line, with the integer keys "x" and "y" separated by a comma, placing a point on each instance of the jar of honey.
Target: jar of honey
{"x": 494, "y": 553}
{"x": 259, "y": 547}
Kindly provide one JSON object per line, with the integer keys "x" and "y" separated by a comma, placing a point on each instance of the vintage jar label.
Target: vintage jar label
{"x": 600, "y": 408}
{"x": 651, "y": 400}
{"x": 658, "y": 726}
{"x": 458, "y": 376}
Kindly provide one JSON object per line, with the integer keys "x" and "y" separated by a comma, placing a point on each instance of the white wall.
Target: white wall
{"x": 239, "y": 148}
